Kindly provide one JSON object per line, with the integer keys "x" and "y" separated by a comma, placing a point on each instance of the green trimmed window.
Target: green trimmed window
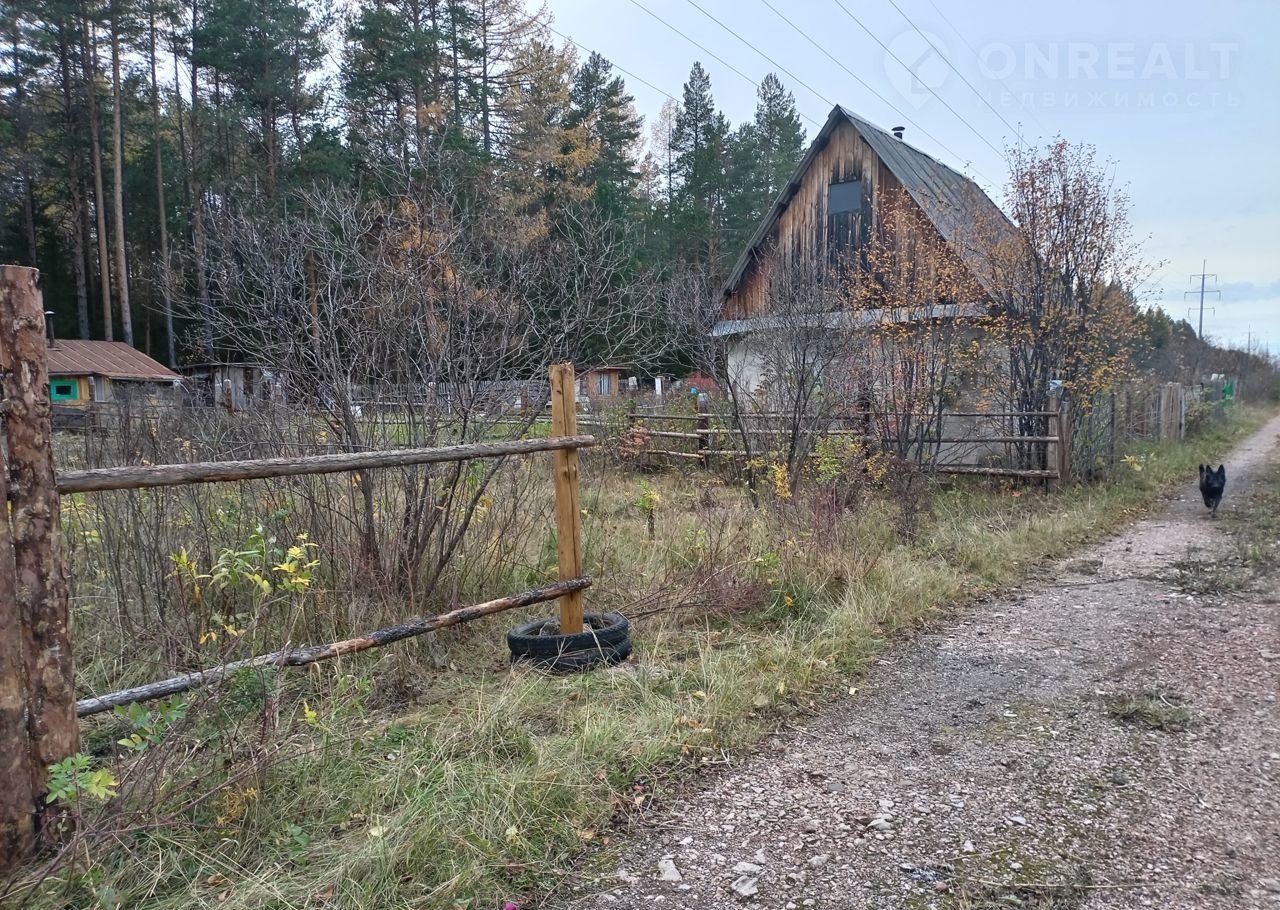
{"x": 63, "y": 390}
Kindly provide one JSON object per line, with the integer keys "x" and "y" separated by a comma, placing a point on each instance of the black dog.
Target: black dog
{"x": 1212, "y": 485}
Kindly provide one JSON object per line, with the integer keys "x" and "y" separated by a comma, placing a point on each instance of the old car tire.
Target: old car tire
{"x": 606, "y": 640}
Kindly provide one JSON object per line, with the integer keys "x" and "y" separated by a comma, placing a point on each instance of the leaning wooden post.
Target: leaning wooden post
{"x": 1053, "y": 450}
{"x": 42, "y": 593}
{"x": 17, "y": 800}
{"x": 1065, "y": 443}
{"x": 564, "y": 422}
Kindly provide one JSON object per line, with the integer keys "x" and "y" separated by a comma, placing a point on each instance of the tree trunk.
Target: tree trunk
{"x": 28, "y": 210}
{"x": 99, "y": 194}
{"x": 77, "y": 191}
{"x": 457, "y": 71}
{"x": 79, "y": 219}
{"x": 313, "y": 306}
{"x": 484, "y": 77}
{"x": 42, "y": 595}
{"x": 183, "y": 158}
{"x": 418, "y": 100}
{"x": 162, "y": 211}
{"x": 21, "y": 129}
{"x": 17, "y": 801}
{"x": 117, "y": 151}
{"x": 203, "y": 310}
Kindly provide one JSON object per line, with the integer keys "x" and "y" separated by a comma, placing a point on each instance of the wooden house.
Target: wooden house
{"x": 87, "y": 373}
{"x": 828, "y": 213}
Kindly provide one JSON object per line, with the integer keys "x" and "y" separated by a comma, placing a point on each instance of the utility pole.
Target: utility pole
{"x": 1203, "y": 290}
{"x": 1203, "y": 276}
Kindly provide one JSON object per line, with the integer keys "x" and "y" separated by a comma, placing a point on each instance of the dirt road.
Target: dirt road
{"x": 1110, "y": 740}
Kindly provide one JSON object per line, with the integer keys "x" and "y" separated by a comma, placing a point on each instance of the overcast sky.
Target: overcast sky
{"x": 1184, "y": 97}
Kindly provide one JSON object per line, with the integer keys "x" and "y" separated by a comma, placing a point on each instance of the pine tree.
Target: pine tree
{"x": 601, "y": 105}
{"x": 391, "y": 76}
{"x": 700, "y": 146}
{"x": 778, "y": 134}
{"x": 264, "y": 50}
{"x": 764, "y": 154}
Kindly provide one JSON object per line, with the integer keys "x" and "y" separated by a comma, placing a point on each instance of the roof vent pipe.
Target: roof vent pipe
{"x": 898, "y": 131}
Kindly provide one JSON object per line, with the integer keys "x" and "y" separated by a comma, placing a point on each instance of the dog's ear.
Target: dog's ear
{"x": 1222, "y": 470}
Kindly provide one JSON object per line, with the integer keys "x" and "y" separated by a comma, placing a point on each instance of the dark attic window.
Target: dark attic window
{"x": 847, "y": 218}
{"x": 844, "y": 197}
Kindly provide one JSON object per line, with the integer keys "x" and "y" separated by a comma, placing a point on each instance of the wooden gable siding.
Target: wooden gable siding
{"x": 802, "y": 231}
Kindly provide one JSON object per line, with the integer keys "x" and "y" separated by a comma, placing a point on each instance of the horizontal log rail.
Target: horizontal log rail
{"x": 945, "y": 440}
{"x": 688, "y": 418}
{"x": 300, "y": 657}
{"x": 671, "y": 434}
{"x": 136, "y": 477}
{"x": 975, "y": 440}
{"x": 990, "y": 472}
{"x": 967, "y": 469}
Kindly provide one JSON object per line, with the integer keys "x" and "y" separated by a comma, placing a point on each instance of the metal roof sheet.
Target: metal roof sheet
{"x": 112, "y": 359}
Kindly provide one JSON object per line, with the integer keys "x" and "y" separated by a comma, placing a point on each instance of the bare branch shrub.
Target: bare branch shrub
{"x": 1058, "y": 280}
{"x": 786, "y": 373}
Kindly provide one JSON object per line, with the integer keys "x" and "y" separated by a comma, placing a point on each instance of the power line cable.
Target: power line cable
{"x": 928, "y": 88}
{"x": 790, "y": 75}
{"x": 865, "y": 85}
{"x": 981, "y": 97}
{"x": 966, "y": 43}
{"x": 712, "y": 53}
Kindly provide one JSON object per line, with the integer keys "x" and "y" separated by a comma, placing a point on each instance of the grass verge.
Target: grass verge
{"x": 484, "y": 784}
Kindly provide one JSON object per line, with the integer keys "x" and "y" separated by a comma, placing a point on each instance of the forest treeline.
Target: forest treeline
{"x": 129, "y": 128}
{"x": 146, "y": 144}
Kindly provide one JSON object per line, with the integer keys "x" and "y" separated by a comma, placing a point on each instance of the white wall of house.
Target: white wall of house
{"x": 746, "y": 364}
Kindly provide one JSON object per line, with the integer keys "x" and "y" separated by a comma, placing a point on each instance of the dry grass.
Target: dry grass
{"x": 433, "y": 775}
{"x": 1151, "y": 710}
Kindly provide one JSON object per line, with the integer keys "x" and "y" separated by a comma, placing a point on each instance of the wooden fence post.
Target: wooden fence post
{"x": 702, "y": 426}
{"x": 564, "y": 422}
{"x": 1053, "y": 451}
{"x": 17, "y": 800}
{"x": 1064, "y": 441}
{"x": 42, "y": 595}
{"x": 1172, "y": 411}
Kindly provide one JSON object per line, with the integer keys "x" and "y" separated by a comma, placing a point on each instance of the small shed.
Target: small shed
{"x": 85, "y": 373}
{"x": 234, "y": 386}
{"x": 598, "y": 383}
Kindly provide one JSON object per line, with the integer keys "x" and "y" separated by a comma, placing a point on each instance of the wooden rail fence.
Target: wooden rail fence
{"x": 38, "y": 708}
